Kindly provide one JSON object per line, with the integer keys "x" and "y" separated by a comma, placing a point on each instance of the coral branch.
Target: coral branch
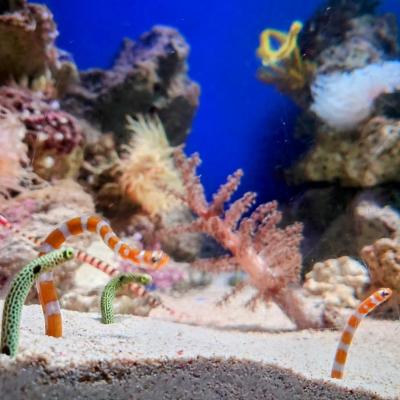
{"x": 225, "y": 192}
{"x": 238, "y": 208}
{"x": 219, "y": 264}
{"x": 228, "y": 296}
{"x": 187, "y": 165}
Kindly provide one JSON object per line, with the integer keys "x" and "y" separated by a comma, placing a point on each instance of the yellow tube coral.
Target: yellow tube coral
{"x": 287, "y": 44}
{"x": 283, "y": 64}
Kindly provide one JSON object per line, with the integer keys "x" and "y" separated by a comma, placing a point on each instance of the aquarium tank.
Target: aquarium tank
{"x": 200, "y": 200}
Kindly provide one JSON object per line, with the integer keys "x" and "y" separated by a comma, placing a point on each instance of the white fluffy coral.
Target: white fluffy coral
{"x": 344, "y": 99}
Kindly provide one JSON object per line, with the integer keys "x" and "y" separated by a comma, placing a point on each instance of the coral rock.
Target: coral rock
{"x": 372, "y": 221}
{"x": 27, "y": 49}
{"x": 368, "y": 159}
{"x": 342, "y": 221}
{"x": 333, "y": 23}
{"x": 148, "y": 76}
{"x": 54, "y": 137}
{"x": 338, "y": 281}
{"x": 46, "y": 124}
{"x": 383, "y": 260}
{"x": 27, "y": 38}
{"x": 369, "y": 39}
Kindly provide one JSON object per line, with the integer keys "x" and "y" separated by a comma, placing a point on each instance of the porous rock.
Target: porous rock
{"x": 340, "y": 282}
{"x": 149, "y": 76}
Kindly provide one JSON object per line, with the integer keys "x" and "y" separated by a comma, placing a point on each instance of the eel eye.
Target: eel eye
{"x": 155, "y": 259}
{"x": 37, "y": 269}
{"x": 68, "y": 253}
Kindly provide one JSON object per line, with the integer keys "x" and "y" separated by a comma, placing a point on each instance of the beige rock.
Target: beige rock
{"x": 383, "y": 260}
{"x": 373, "y": 221}
{"x": 364, "y": 159}
{"x": 340, "y": 282}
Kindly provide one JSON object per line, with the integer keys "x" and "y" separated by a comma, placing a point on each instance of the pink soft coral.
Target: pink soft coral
{"x": 268, "y": 254}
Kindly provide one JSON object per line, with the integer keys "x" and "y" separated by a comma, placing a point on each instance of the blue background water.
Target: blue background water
{"x": 241, "y": 122}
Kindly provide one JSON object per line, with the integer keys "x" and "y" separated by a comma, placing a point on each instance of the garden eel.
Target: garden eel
{"x": 18, "y": 291}
{"x": 369, "y": 304}
{"x": 137, "y": 290}
{"x": 110, "y": 291}
{"x": 76, "y": 226}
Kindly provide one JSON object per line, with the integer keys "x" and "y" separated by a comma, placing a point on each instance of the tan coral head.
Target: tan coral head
{"x": 287, "y": 44}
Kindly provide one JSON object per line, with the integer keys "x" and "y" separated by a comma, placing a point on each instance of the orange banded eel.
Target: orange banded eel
{"x": 45, "y": 285}
{"x": 369, "y": 304}
{"x": 95, "y": 224}
{"x": 135, "y": 289}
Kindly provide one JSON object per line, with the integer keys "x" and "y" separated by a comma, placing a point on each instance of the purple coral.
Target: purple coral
{"x": 149, "y": 76}
{"x": 46, "y": 125}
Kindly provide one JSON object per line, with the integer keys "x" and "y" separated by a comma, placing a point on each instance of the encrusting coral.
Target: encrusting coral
{"x": 148, "y": 167}
{"x": 383, "y": 260}
{"x": 367, "y": 39}
{"x": 283, "y": 65}
{"x": 53, "y": 136}
{"x": 332, "y": 25}
{"x": 270, "y": 255}
{"x": 340, "y": 282}
{"x": 351, "y": 112}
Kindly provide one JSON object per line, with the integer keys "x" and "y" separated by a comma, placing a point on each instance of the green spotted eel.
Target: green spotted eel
{"x": 110, "y": 291}
{"x": 18, "y": 291}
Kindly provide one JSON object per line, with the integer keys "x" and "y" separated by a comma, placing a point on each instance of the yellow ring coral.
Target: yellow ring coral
{"x": 287, "y": 44}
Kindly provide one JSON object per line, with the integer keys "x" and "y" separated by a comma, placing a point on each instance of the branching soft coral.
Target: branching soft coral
{"x": 148, "y": 166}
{"x": 268, "y": 254}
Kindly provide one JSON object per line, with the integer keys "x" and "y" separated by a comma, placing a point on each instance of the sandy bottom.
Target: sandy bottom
{"x": 235, "y": 354}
